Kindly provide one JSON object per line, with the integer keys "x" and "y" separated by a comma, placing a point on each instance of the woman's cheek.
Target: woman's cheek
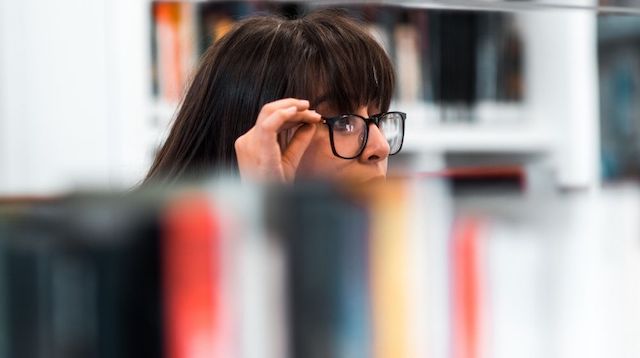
{"x": 318, "y": 160}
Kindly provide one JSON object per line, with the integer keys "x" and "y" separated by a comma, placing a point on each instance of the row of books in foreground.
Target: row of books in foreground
{"x": 315, "y": 270}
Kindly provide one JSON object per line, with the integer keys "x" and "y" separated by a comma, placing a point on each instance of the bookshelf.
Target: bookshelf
{"x": 488, "y": 139}
{"x": 114, "y": 78}
{"x": 257, "y": 272}
{"x": 540, "y": 119}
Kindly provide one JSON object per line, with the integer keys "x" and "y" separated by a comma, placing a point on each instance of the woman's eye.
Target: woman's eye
{"x": 346, "y": 125}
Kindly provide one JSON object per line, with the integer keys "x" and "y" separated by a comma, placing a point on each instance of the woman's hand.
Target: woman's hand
{"x": 258, "y": 152}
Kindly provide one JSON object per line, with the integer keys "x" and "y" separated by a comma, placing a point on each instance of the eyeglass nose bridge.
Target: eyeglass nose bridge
{"x": 375, "y": 119}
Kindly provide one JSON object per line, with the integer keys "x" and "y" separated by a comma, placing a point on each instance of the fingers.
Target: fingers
{"x": 270, "y": 108}
{"x": 258, "y": 153}
{"x": 298, "y": 145}
{"x": 290, "y": 116}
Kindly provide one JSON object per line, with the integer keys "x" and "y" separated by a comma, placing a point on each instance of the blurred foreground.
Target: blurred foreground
{"x": 413, "y": 268}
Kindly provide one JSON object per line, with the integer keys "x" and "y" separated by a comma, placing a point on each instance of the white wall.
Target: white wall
{"x": 68, "y": 92}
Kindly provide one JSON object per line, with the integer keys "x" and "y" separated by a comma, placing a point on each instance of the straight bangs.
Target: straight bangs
{"x": 342, "y": 64}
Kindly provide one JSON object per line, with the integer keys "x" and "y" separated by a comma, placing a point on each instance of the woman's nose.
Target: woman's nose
{"x": 377, "y": 147}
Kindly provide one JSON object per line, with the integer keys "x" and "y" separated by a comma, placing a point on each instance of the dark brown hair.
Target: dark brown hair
{"x": 262, "y": 59}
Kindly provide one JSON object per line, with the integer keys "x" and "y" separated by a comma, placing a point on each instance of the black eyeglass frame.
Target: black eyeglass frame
{"x": 375, "y": 119}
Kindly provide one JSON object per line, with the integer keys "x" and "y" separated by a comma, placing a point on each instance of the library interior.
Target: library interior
{"x": 507, "y": 223}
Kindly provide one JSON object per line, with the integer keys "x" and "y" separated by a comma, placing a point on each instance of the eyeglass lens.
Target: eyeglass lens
{"x": 391, "y": 126}
{"x": 348, "y": 135}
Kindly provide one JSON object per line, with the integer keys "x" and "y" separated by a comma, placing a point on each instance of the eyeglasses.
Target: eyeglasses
{"x": 349, "y": 132}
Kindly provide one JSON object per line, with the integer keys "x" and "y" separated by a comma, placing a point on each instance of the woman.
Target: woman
{"x": 278, "y": 99}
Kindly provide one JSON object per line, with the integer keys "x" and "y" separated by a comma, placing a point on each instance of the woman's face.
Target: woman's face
{"x": 319, "y": 160}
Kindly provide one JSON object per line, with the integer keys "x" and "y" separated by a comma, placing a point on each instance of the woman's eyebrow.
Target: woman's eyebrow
{"x": 318, "y": 101}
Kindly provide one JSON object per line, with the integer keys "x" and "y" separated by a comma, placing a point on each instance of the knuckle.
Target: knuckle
{"x": 239, "y": 143}
{"x": 282, "y": 112}
{"x": 269, "y": 106}
{"x": 265, "y": 126}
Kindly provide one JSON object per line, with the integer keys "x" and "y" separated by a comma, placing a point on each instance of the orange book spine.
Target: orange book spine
{"x": 389, "y": 272}
{"x": 170, "y": 70}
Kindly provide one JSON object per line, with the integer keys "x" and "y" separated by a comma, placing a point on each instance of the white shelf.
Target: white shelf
{"x": 620, "y": 7}
{"x": 485, "y": 112}
{"x": 477, "y": 138}
{"x": 492, "y": 127}
{"x": 497, "y": 127}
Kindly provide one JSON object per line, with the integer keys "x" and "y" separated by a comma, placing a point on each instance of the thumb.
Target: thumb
{"x": 298, "y": 145}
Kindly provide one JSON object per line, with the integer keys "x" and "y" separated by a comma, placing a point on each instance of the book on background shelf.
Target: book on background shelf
{"x": 408, "y": 60}
{"x": 421, "y": 21}
{"x": 453, "y": 58}
{"x": 489, "y": 27}
{"x": 175, "y": 47}
{"x": 619, "y": 97}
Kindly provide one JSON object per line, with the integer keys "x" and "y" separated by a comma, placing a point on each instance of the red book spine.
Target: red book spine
{"x": 465, "y": 289}
{"x": 192, "y": 272}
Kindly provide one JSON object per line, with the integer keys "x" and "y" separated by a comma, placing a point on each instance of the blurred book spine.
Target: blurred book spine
{"x": 310, "y": 270}
{"x": 79, "y": 281}
{"x": 619, "y": 97}
{"x": 408, "y": 60}
{"x": 175, "y": 47}
{"x": 390, "y": 273}
{"x": 465, "y": 286}
{"x": 329, "y": 308}
{"x": 193, "y": 293}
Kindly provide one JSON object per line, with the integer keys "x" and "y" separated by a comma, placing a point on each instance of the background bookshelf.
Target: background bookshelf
{"x": 112, "y": 76}
{"x": 471, "y": 82}
{"x": 87, "y": 115}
